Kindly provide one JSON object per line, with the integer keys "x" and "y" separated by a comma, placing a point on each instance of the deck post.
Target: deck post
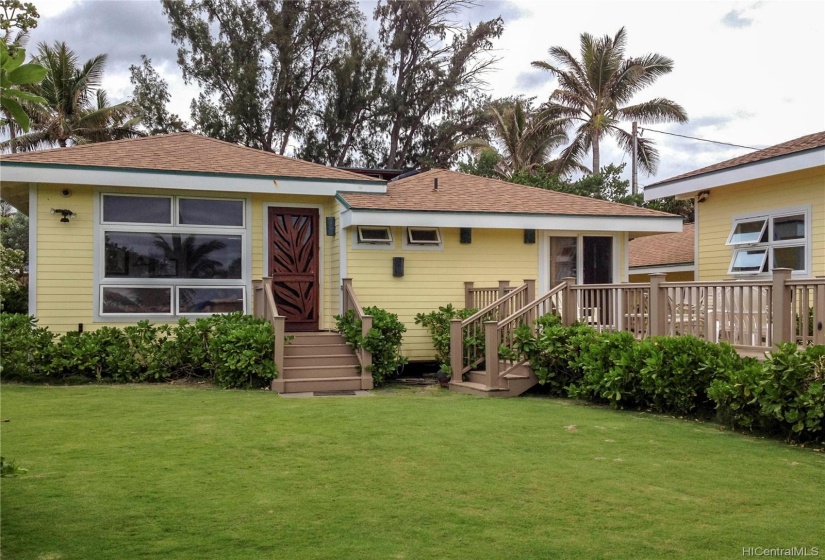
{"x": 366, "y": 356}
{"x": 819, "y": 314}
{"x": 658, "y": 305}
{"x": 258, "y": 298}
{"x": 568, "y": 315}
{"x": 502, "y": 291}
{"x": 346, "y": 283}
{"x": 531, "y": 291}
{"x": 781, "y": 306}
{"x": 468, "y": 295}
{"x": 456, "y": 351}
{"x": 491, "y": 361}
{"x": 279, "y": 325}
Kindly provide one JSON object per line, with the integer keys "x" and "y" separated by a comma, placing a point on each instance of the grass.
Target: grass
{"x": 165, "y": 472}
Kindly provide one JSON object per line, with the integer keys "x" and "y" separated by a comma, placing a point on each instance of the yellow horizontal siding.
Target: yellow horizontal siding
{"x": 436, "y": 278}
{"x": 715, "y": 216}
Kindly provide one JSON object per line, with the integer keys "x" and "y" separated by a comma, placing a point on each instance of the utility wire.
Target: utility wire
{"x": 700, "y": 139}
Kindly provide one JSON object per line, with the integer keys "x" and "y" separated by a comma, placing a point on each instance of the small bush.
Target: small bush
{"x": 233, "y": 350}
{"x": 437, "y": 324}
{"x": 383, "y": 341}
{"x": 26, "y": 350}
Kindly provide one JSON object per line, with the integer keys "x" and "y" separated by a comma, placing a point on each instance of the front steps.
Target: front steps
{"x": 319, "y": 361}
{"x": 514, "y": 383}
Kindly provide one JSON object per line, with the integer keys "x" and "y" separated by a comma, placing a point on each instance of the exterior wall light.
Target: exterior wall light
{"x": 702, "y": 196}
{"x": 67, "y": 214}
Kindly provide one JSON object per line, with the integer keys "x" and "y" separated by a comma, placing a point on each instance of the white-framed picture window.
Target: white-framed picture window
{"x": 159, "y": 256}
{"x": 776, "y": 239}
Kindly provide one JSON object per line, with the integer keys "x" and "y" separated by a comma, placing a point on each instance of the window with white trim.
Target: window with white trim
{"x": 171, "y": 255}
{"x": 773, "y": 240}
{"x": 423, "y": 236}
{"x": 379, "y": 235}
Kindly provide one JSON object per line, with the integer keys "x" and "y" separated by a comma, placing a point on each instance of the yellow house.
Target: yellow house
{"x": 182, "y": 225}
{"x": 757, "y": 212}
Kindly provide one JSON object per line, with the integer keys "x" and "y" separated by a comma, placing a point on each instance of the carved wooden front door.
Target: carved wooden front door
{"x": 293, "y": 265}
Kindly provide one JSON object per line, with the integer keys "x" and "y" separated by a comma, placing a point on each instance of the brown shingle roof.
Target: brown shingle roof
{"x": 808, "y": 142}
{"x": 186, "y": 152}
{"x": 662, "y": 249}
{"x": 459, "y": 192}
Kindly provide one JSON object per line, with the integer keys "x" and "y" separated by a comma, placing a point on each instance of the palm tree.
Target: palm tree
{"x": 521, "y": 135}
{"x": 76, "y": 109}
{"x": 595, "y": 92}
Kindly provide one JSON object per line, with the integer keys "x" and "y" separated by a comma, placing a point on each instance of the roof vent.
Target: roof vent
{"x": 435, "y": 184}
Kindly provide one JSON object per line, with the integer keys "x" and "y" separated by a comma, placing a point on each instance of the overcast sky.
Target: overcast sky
{"x": 748, "y": 73}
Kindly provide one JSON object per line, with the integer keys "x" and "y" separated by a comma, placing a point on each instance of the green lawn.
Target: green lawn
{"x": 161, "y": 472}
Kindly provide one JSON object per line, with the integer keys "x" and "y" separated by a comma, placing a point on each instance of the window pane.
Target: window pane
{"x": 168, "y": 255}
{"x": 202, "y": 212}
{"x": 789, "y": 257}
{"x": 375, "y": 235}
{"x": 136, "y": 300}
{"x": 210, "y": 300}
{"x": 429, "y": 236}
{"x": 747, "y": 232}
{"x": 137, "y": 209}
{"x": 748, "y": 261}
{"x": 562, "y": 258}
{"x": 789, "y": 227}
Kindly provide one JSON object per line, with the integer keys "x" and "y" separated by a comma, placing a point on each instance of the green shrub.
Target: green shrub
{"x": 552, "y": 351}
{"x": 677, "y": 372}
{"x": 610, "y": 365}
{"x": 792, "y": 392}
{"x": 735, "y": 395}
{"x": 26, "y": 350}
{"x": 239, "y": 350}
{"x": 437, "y": 324}
{"x": 233, "y": 350}
{"x": 383, "y": 341}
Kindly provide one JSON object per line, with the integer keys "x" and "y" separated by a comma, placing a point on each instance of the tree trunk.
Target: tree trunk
{"x": 594, "y": 145}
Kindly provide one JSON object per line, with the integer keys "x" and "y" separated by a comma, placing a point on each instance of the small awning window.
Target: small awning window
{"x": 423, "y": 236}
{"x": 748, "y": 231}
{"x": 374, "y": 234}
{"x": 749, "y": 261}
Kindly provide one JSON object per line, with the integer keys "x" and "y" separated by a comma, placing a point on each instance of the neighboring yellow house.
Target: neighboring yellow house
{"x": 181, "y": 225}
{"x": 757, "y": 212}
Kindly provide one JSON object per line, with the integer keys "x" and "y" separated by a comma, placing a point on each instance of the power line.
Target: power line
{"x": 701, "y": 139}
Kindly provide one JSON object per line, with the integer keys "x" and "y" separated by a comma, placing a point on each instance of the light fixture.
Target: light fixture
{"x": 702, "y": 196}
{"x": 67, "y": 214}
{"x": 331, "y": 226}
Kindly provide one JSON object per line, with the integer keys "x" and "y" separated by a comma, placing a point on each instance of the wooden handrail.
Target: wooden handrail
{"x": 265, "y": 307}
{"x": 350, "y": 302}
{"x": 464, "y": 357}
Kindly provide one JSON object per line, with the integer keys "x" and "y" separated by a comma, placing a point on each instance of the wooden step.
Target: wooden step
{"x": 321, "y": 360}
{"x": 319, "y": 384}
{"x": 293, "y": 350}
{"x": 316, "y": 372}
{"x": 321, "y": 337}
{"x": 477, "y": 389}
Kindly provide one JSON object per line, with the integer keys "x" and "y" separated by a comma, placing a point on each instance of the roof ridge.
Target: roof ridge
{"x": 509, "y": 184}
{"x": 76, "y": 147}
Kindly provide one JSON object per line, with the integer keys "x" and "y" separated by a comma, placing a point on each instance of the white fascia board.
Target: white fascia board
{"x": 184, "y": 181}
{"x": 353, "y": 217}
{"x": 662, "y": 268}
{"x": 745, "y": 172}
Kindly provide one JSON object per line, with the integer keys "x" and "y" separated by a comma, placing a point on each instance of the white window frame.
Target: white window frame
{"x": 180, "y": 287}
{"x": 765, "y": 253}
{"x": 172, "y": 206}
{"x": 409, "y": 245}
{"x": 101, "y": 281}
{"x": 737, "y": 223}
{"x": 769, "y": 216}
{"x": 359, "y": 238}
{"x": 412, "y": 230}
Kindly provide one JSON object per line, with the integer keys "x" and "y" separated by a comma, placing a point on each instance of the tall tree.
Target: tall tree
{"x": 349, "y": 106}
{"x": 595, "y": 91}
{"x": 77, "y": 110}
{"x": 259, "y": 64}
{"x": 151, "y": 96}
{"x": 437, "y": 69}
{"x": 523, "y": 136}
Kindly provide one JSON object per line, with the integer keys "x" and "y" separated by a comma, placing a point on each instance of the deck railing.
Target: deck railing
{"x": 476, "y": 297}
{"x": 263, "y": 302}
{"x": 467, "y": 337}
{"x": 750, "y": 315}
{"x": 350, "y": 302}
